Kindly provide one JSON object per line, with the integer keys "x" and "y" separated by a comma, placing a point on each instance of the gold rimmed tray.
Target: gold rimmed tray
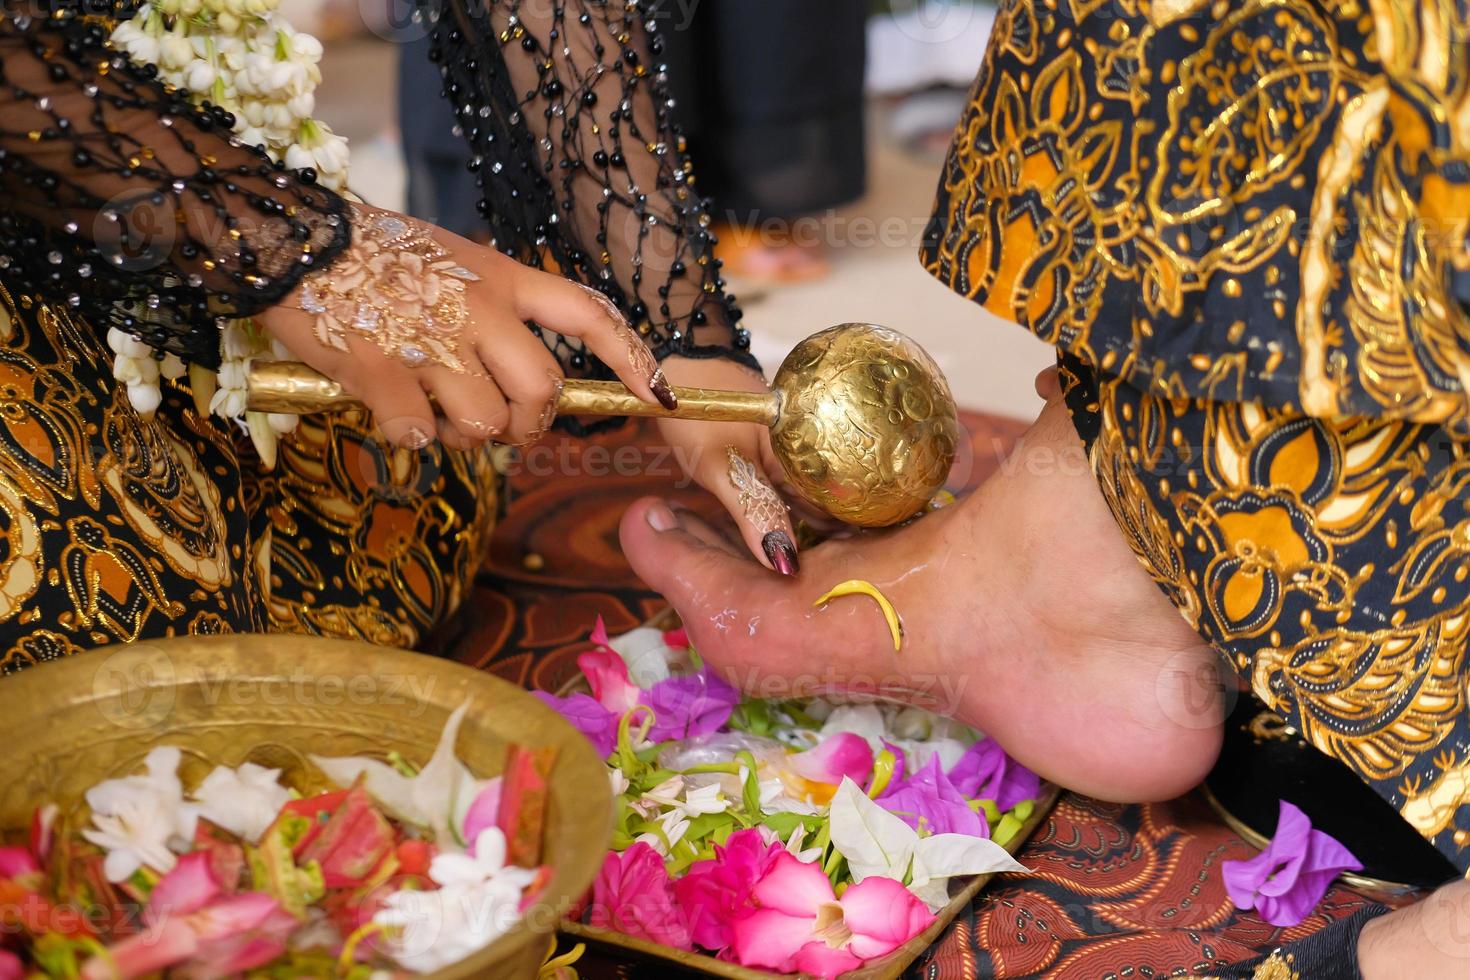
{"x": 890, "y": 967}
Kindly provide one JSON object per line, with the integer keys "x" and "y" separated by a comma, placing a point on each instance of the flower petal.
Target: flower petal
{"x": 484, "y": 811}
{"x": 927, "y": 800}
{"x": 17, "y": 861}
{"x": 770, "y": 938}
{"x": 793, "y": 887}
{"x": 840, "y": 755}
{"x": 689, "y": 705}
{"x": 820, "y": 960}
{"x": 187, "y": 888}
{"x": 608, "y": 675}
{"x": 882, "y": 916}
{"x": 588, "y": 716}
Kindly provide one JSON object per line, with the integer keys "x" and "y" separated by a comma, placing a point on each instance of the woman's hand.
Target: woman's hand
{"x": 410, "y": 311}
{"x": 733, "y": 461}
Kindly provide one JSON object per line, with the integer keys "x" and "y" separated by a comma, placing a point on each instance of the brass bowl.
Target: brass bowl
{"x": 274, "y": 700}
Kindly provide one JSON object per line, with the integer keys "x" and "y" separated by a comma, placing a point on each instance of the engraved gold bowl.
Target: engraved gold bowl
{"x": 275, "y": 700}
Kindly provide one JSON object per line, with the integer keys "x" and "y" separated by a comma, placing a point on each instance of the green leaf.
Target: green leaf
{"x": 752, "y": 793}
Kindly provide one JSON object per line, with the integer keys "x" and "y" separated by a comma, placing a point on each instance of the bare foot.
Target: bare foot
{"x": 1024, "y": 613}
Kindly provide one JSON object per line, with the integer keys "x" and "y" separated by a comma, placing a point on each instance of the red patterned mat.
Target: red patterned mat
{"x": 1118, "y": 891}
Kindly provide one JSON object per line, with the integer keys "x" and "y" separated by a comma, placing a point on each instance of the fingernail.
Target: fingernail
{"x": 661, "y": 518}
{"x": 662, "y": 391}
{"x": 415, "y": 438}
{"x": 781, "y": 552}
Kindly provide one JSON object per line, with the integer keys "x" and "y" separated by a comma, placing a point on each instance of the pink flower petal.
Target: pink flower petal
{"x": 171, "y": 942}
{"x": 233, "y": 915}
{"x": 11, "y": 967}
{"x": 883, "y": 915}
{"x": 820, "y": 960}
{"x": 840, "y": 755}
{"x": 188, "y": 887}
{"x": 770, "y": 938}
{"x": 17, "y": 861}
{"x": 793, "y": 887}
{"x": 599, "y": 635}
{"x": 607, "y": 673}
{"x": 483, "y": 812}
{"x": 632, "y": 895}
{"x": 678, "y": 639}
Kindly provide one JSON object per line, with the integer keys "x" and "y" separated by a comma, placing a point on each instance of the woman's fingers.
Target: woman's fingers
{"x": 574, "y": 310}
{"x": 472, "y": 408}
{"x": 528, "y": 376}
{"x": 399, "y": 405}
{"x": 741, "y": 485}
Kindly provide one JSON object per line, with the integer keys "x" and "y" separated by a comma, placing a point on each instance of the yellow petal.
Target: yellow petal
{"x": 860, "y": 587}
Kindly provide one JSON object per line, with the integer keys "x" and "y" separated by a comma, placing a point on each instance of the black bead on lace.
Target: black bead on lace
{"x": 131, "y": 206}
{"x": 564, "y": 106}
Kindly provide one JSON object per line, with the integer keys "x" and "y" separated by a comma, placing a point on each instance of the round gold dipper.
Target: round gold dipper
{"x": 861, "y": 417}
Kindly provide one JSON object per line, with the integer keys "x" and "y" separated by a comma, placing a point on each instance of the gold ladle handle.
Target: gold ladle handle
{"x": 290, "y": 388}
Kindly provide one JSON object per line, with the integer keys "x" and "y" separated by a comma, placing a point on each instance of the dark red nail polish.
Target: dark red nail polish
{"x": 781, "y": 552}
{"x": 662, "y": 391}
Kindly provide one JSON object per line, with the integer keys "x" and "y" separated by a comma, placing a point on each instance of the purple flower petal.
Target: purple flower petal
{"x": 927, "y": 800}
{"x": 588, "y": 717}
{"x": 900, "y": 763}
{"x": 1285, "y": 881}
{"x": 986, "y": 772}
{"x": 688, "y": 705}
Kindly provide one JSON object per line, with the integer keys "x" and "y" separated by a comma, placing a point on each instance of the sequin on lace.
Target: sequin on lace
{"x": 141, "y": 212}
{"x": 563, "y": 103}
{"x": 132, "y": 207}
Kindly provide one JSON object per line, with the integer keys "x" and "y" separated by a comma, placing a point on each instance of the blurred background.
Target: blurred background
{"x": 819, "y": 126}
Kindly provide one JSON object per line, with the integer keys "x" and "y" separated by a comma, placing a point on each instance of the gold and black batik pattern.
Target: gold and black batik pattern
{"x": 116, "y": 528}
{"x": 1328, "y": 559}
{"x": 1261, "y": 199}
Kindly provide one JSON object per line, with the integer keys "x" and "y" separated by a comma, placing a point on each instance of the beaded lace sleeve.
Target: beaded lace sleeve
{"x": 564, "y": 106}
{"x": 122, "y": 201}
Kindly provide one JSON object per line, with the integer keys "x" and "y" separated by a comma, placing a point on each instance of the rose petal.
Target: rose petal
{"x": 842, "y": 754}
{"x": 188, "y": 887}
{"x": 11, "y": 967}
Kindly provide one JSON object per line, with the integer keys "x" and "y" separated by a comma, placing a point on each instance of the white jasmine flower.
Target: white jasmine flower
{"x": 142, "y": 821}
{"x": 478, "y": 901}
{"x": 618, "y": 780}
{"x": 244, "y": 801}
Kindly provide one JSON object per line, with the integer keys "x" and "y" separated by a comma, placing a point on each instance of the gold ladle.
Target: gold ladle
{"x": 861, "y": 417}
